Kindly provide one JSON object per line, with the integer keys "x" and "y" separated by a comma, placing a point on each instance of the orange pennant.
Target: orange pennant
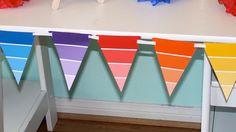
{"x": 174, "y": 57}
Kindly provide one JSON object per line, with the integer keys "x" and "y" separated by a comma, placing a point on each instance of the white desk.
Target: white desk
{"x": 193, "y": 20}
{"x": 188, "y": 20}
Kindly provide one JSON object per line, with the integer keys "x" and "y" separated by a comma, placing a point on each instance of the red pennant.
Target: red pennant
{"x": 119, "y": 52}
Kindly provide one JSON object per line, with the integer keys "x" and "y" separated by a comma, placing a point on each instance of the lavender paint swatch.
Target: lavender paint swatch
{"x": 71, "y": 49}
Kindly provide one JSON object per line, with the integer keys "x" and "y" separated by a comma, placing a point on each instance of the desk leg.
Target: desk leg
{"x": 1, "y": 96}
{"x": 46, "y": 77}
{"x": 206, "y": 96}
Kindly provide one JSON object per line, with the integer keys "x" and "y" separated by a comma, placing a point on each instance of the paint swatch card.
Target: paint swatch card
{"x": 222, "y": 58}
{"x": 119, "y": 52}
{"x": 173, "y": 57}
{"x": 16, "y": 47}
{"x": 71, "y": 49}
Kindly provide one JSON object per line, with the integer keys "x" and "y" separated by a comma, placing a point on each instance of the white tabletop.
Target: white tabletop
{"x": 192, "y": 20}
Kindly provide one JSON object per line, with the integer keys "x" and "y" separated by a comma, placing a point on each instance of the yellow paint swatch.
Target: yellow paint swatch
{"x": 221, "y": 49}
{"x": 223, "y": 64}
{"x": 227, "y": 81}
{"x": 223, "y": 61}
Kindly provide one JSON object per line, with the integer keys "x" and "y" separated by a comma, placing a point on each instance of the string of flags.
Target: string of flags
{"x": 119, "y": 53}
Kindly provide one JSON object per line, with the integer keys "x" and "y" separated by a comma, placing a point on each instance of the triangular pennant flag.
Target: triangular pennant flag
{"x": 119, "y": 52}
{"x": 223, "y": 60}
{"x": 16, "y": 47}
{"x": 174, "y": 57}
{"x": 71, "y": 49}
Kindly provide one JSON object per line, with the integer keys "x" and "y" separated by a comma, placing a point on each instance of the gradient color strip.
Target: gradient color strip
{"x": 71, "y": 49}
{"x": 173, "y": 57}
{"x": 223, "y": 61}
{"x": 119, "y": 52}
{"x": 16, "y": 47}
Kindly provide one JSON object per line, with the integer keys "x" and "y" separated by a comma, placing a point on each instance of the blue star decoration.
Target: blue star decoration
{"x": 155, "y": 2}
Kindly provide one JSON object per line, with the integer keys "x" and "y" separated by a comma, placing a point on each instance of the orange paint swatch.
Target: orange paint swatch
{"x": 175, "y": 47}
{"x": 173, "y": 61}
{"x": 173, "y": 57}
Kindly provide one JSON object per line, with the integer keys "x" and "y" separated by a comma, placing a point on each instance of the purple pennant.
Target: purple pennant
{"x": 71, "y": 49}
{"x": 71, "y": 38}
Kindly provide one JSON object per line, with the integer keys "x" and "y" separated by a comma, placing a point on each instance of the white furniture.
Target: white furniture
{"x": 187, "y": 20}
{"x": 191, "y": 20}
{"x": 23, "y": 109}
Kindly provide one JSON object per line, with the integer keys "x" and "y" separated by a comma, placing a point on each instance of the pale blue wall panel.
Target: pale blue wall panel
{"x": 145, "y": 85}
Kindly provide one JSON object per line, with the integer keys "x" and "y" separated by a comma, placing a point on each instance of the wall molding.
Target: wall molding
{"x": 130, "y": 110}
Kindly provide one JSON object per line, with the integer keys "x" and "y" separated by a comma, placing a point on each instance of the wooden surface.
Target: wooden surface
{"x": 129, "y": 120}
{"x": 87, "y": 123}
{"x": 193, "y": 20}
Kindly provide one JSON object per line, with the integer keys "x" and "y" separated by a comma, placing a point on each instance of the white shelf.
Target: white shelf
{"x": 192, "y": 20}
{"x": 19, "y": 104}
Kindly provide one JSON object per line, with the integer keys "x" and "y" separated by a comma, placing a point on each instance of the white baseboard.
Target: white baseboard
{"x": 130, "y": 110}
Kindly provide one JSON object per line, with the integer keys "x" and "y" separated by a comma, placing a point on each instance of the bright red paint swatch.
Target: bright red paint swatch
{"x": 129, "y": 42}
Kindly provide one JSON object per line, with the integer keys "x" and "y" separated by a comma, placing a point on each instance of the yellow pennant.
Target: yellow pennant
{"x": 223, "y": 61}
